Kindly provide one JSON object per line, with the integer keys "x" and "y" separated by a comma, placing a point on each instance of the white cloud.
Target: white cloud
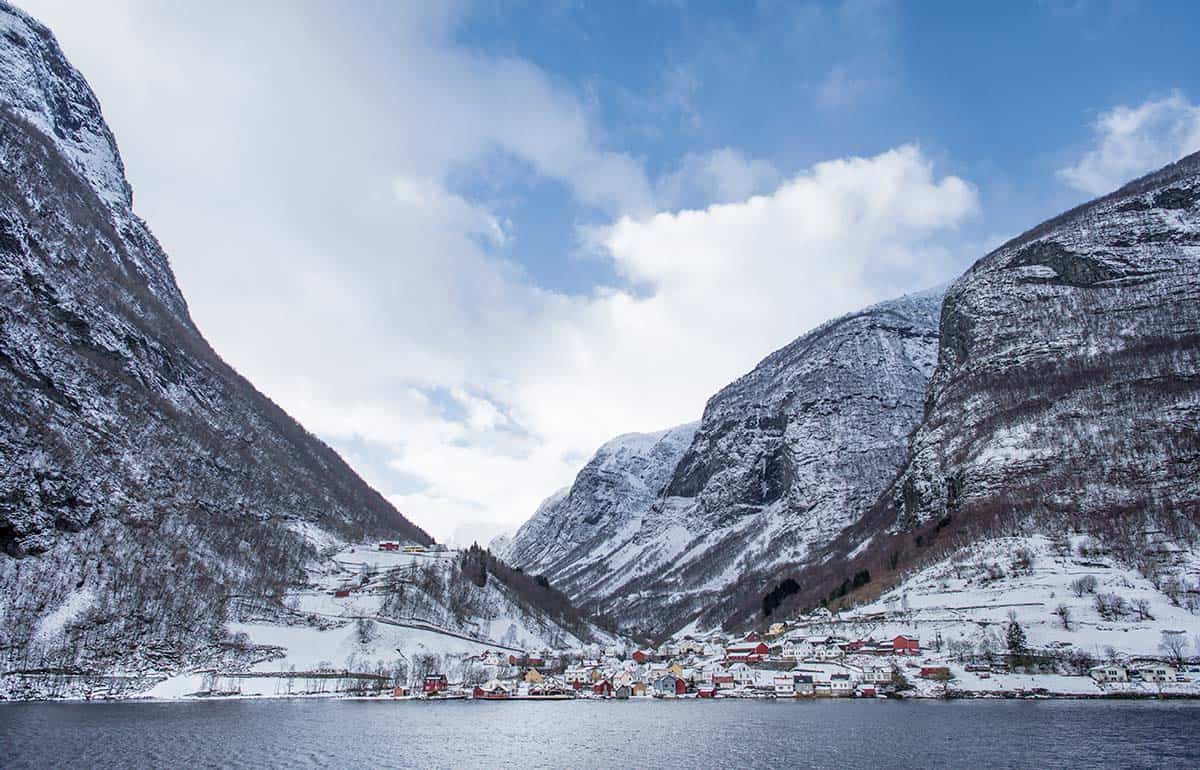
{"x": 1131, "y": 141}
{"x": 296, "y": 166}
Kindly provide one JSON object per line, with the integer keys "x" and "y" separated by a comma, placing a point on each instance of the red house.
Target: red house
{"x": 389, "y": 545}
{"x": 750, "y": 652}
{"x": 641, "y": 656}
{"x": 669, "y": 684}
{"x": 906, "y": 645}
{"x": 341, "y": 593}
{"x": 603, "y": 688}
{"x": 707, "y": 691}
{"x": 751, "y": 637}
{"x": 435, "y": 683}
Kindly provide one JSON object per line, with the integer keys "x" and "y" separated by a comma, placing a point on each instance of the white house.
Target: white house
{"x": 877, "y": 674}
{"x": 690, "y": 646}
{"x": 742, "y": 674}
{"x": 841, "y": 685}
{"x": 1111, "y": 673}
{"x": 812, "y": 647}
{"x": 824, "y": 672}
{"x": 1154, "y": 672}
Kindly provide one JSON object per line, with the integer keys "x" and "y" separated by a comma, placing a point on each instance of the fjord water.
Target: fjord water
{"x": 844, "y": 734}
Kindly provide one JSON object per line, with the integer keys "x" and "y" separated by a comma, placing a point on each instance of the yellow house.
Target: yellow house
{"x": 533, "y": 676}
{"x": 597, "y": 675}
{"x": 676, "y": 669}
{"x": 776, "y": 629}
{"x": 639, "y": 688}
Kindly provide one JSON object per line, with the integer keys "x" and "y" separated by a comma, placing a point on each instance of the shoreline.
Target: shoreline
{"x": 957, "y": 697}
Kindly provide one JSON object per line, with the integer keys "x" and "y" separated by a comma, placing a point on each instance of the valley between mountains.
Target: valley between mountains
{"x": 1018, "y": 450}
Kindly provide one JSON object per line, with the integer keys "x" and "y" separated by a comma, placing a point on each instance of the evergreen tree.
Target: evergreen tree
{"x": 1016, "y": 638}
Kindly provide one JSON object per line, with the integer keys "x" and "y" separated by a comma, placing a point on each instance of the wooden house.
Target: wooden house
{"x": 669, "y": 685}
{"x": 750, "y": 652}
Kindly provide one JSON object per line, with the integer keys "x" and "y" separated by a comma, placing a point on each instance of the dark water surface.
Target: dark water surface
{"x": 743, "y": 734}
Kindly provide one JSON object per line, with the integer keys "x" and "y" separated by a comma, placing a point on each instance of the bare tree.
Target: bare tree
{"x": 1064, "y": 614}
{"x": 959, "y": 649}
{"x": 1174, "y": 645}
{"x": 987, "y": 647}
{"x": 1111, "y": 606}
{"x": 1084, "y": 585}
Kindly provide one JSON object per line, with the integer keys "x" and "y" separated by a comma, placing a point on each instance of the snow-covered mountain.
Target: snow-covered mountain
{"x": 1068, "y": 378}
{"x": 783, "y": 459}
{"x": 609, "y": 497}
{"x": 1066, "y": 397}
{"x": 147, "y": 491}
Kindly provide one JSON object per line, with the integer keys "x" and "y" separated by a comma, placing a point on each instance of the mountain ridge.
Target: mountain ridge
{"x": 749, "y": 493}
{"x": 143, "y": 481}
{"x": 1065, "y": 398}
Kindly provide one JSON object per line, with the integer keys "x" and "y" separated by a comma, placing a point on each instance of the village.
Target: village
{"x": 781, "y": 664}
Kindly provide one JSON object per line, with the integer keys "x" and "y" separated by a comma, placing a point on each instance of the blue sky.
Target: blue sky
{"x": 467, "y": 242}
{"x": 999, "y": 93}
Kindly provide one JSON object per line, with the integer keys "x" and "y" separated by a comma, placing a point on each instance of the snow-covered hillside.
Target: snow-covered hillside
{"x": 399, "y": 615}
{"x": 361, "y": 610}
{"x": 784, "y": 458}
{"x": 1067, "y": 593}
{"x": 143, "y": 482}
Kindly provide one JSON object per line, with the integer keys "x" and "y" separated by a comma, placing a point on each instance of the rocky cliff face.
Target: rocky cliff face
{"x": 606, "y": 504}
{"x": 1068, "y": 382}
{"x": 783, "y": 459}
{"x": 142, "y": 480}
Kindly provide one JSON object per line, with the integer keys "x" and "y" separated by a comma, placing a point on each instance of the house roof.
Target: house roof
{"x": 746, "y": 647}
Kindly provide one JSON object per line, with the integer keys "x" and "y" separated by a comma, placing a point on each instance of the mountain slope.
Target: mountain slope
{"x": 142, "y": 480}
{"x": 1066, "y": 396}
{"x": 609, "y": 498}
{"x": 784, "y": 458}
{"x": 1068, "y": 379}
